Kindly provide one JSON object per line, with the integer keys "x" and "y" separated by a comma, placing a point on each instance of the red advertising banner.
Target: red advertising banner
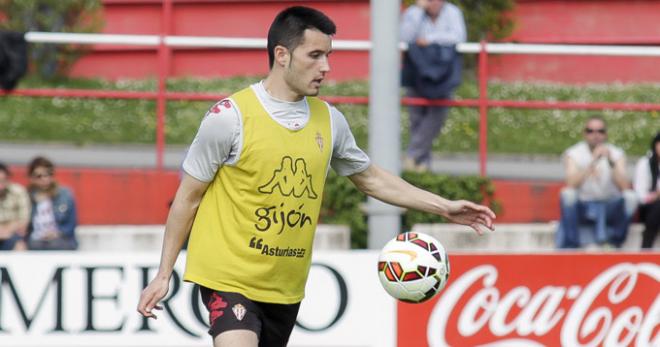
{"x": 540, "y": 300}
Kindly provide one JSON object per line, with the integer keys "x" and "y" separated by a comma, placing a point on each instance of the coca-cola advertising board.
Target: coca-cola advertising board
{"x": 540, "y": 300}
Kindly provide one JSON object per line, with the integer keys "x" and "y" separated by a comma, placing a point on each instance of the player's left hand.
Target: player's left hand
{"x": 478, "y": 217}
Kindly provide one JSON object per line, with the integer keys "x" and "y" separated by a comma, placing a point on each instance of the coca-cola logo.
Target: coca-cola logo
{"x": 606, "y": 311}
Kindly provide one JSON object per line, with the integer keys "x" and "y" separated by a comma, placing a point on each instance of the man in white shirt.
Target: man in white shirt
{"x": 597, "y": 190}
{"x": 14, "y": 212}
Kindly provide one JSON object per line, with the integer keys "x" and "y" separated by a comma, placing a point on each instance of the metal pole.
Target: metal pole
{"x": 163, "y": 71}
{"x": 384, "y": 113}
{"x": 483, "y": 109}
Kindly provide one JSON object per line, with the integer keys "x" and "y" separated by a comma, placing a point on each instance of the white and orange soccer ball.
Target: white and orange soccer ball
{"x": 413, "y": 267}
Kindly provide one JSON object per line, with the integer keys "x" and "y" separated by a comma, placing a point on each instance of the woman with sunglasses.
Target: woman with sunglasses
{"x": 54, "y": 219}
{"x": 647, "y": 187}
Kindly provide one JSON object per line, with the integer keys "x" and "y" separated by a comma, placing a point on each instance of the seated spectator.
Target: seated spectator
{"x": 647, "y": 187}
{"x": 597, "y": 194}
{"x": 53, "y": 222}
{"x": 14, "y": 212}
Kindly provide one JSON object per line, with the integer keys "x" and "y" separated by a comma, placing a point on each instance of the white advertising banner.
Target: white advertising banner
{"x": 83, "y": 299}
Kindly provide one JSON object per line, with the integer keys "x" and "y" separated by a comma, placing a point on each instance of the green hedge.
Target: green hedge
{"x": 343, "y": 203}
{"x": 510, "y": 131}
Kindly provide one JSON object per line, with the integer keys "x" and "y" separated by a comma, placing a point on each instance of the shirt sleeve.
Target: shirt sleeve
{"x": 460, "y": 29}
{"x": 617, "y": 153}
{"x": 214, "y": 141}
{"x": 24, "y": 204}
{"x": 451, "y": 32}
{"x": 641, "y": 183}
{"x": 411, "y": 22}
{"x": 567, "y": 154}
{"x": 347, "y": 158}
{"x": 68, "y": 221}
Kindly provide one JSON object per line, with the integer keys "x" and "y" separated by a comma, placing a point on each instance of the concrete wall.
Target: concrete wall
{"x": 516, "y": 238}
{"x": 537, "y": 21}
{"x": 137, "y": 238}
{"x": 602, "y": 22}
{"x": 456, "y": 238}
{"x": 225, "y": 18}
{"x": 142, "y": 196}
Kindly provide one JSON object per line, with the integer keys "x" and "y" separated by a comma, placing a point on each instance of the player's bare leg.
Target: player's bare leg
{"x": 236, "y": 338}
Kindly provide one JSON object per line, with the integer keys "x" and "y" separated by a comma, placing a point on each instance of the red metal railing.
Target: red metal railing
{"x": 482, "y": 103}
{"x": 164, "y": 54}
{"x": 161, "y": 95}
{"x": 483, "y": 108}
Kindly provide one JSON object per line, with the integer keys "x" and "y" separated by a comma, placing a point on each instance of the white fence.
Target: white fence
{"x": 345, "y": 45}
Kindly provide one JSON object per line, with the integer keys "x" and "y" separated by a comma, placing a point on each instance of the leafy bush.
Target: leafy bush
{"x": 472, "y": 188}
{"x": 487, "y": 19}
{"x": 75, "y": 16}
{"x": 342, "y": 202}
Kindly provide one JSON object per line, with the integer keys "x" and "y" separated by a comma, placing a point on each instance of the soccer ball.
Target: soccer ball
{"x": 413, "y": 267}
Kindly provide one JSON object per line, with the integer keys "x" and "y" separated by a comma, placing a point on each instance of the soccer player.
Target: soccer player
{"x": 252, "y": 188}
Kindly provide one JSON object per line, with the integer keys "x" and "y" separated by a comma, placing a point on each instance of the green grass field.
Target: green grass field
{"x": 511, "y": 131}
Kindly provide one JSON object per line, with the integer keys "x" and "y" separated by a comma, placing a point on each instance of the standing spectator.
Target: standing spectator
{"x": 647, "y": 187}
{"x": 431, "y": 69}
{"x": 597, "y": 190}
{"x": 54, "y": 219}
{"x": 14, "y": 212}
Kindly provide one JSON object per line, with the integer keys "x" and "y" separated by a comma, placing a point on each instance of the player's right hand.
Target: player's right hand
{"x": 424, "y": 4}
{"x": 601, "y": 151}
{"x": 151, "y": 296}
{"x": 478, "y": 217}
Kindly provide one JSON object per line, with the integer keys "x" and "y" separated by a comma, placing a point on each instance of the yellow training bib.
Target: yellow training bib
{"x": 254, "y": 228}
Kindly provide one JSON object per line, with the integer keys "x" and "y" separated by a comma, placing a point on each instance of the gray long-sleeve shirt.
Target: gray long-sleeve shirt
{"x": 219, "y": 140}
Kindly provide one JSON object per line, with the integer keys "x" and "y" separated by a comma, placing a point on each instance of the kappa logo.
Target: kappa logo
{"x": 291, "y": 178}
{"x": 239, "y": 311}
{"x": 216, "y": 307}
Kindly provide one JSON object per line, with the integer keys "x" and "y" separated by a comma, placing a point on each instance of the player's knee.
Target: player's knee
{"x": 236, "y": 338}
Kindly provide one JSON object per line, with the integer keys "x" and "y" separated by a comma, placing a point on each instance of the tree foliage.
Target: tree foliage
{"x": 72, "y": 16}
{"x": 485, "y": 19}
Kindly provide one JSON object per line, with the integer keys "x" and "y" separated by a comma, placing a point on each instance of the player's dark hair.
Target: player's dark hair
{"x": 289, "y": 26}
{"x": 44, "y": 162}
{"x": 4, "y": 168}
{"x": 653, "y": 163}
{"x": 40, "y": 162}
